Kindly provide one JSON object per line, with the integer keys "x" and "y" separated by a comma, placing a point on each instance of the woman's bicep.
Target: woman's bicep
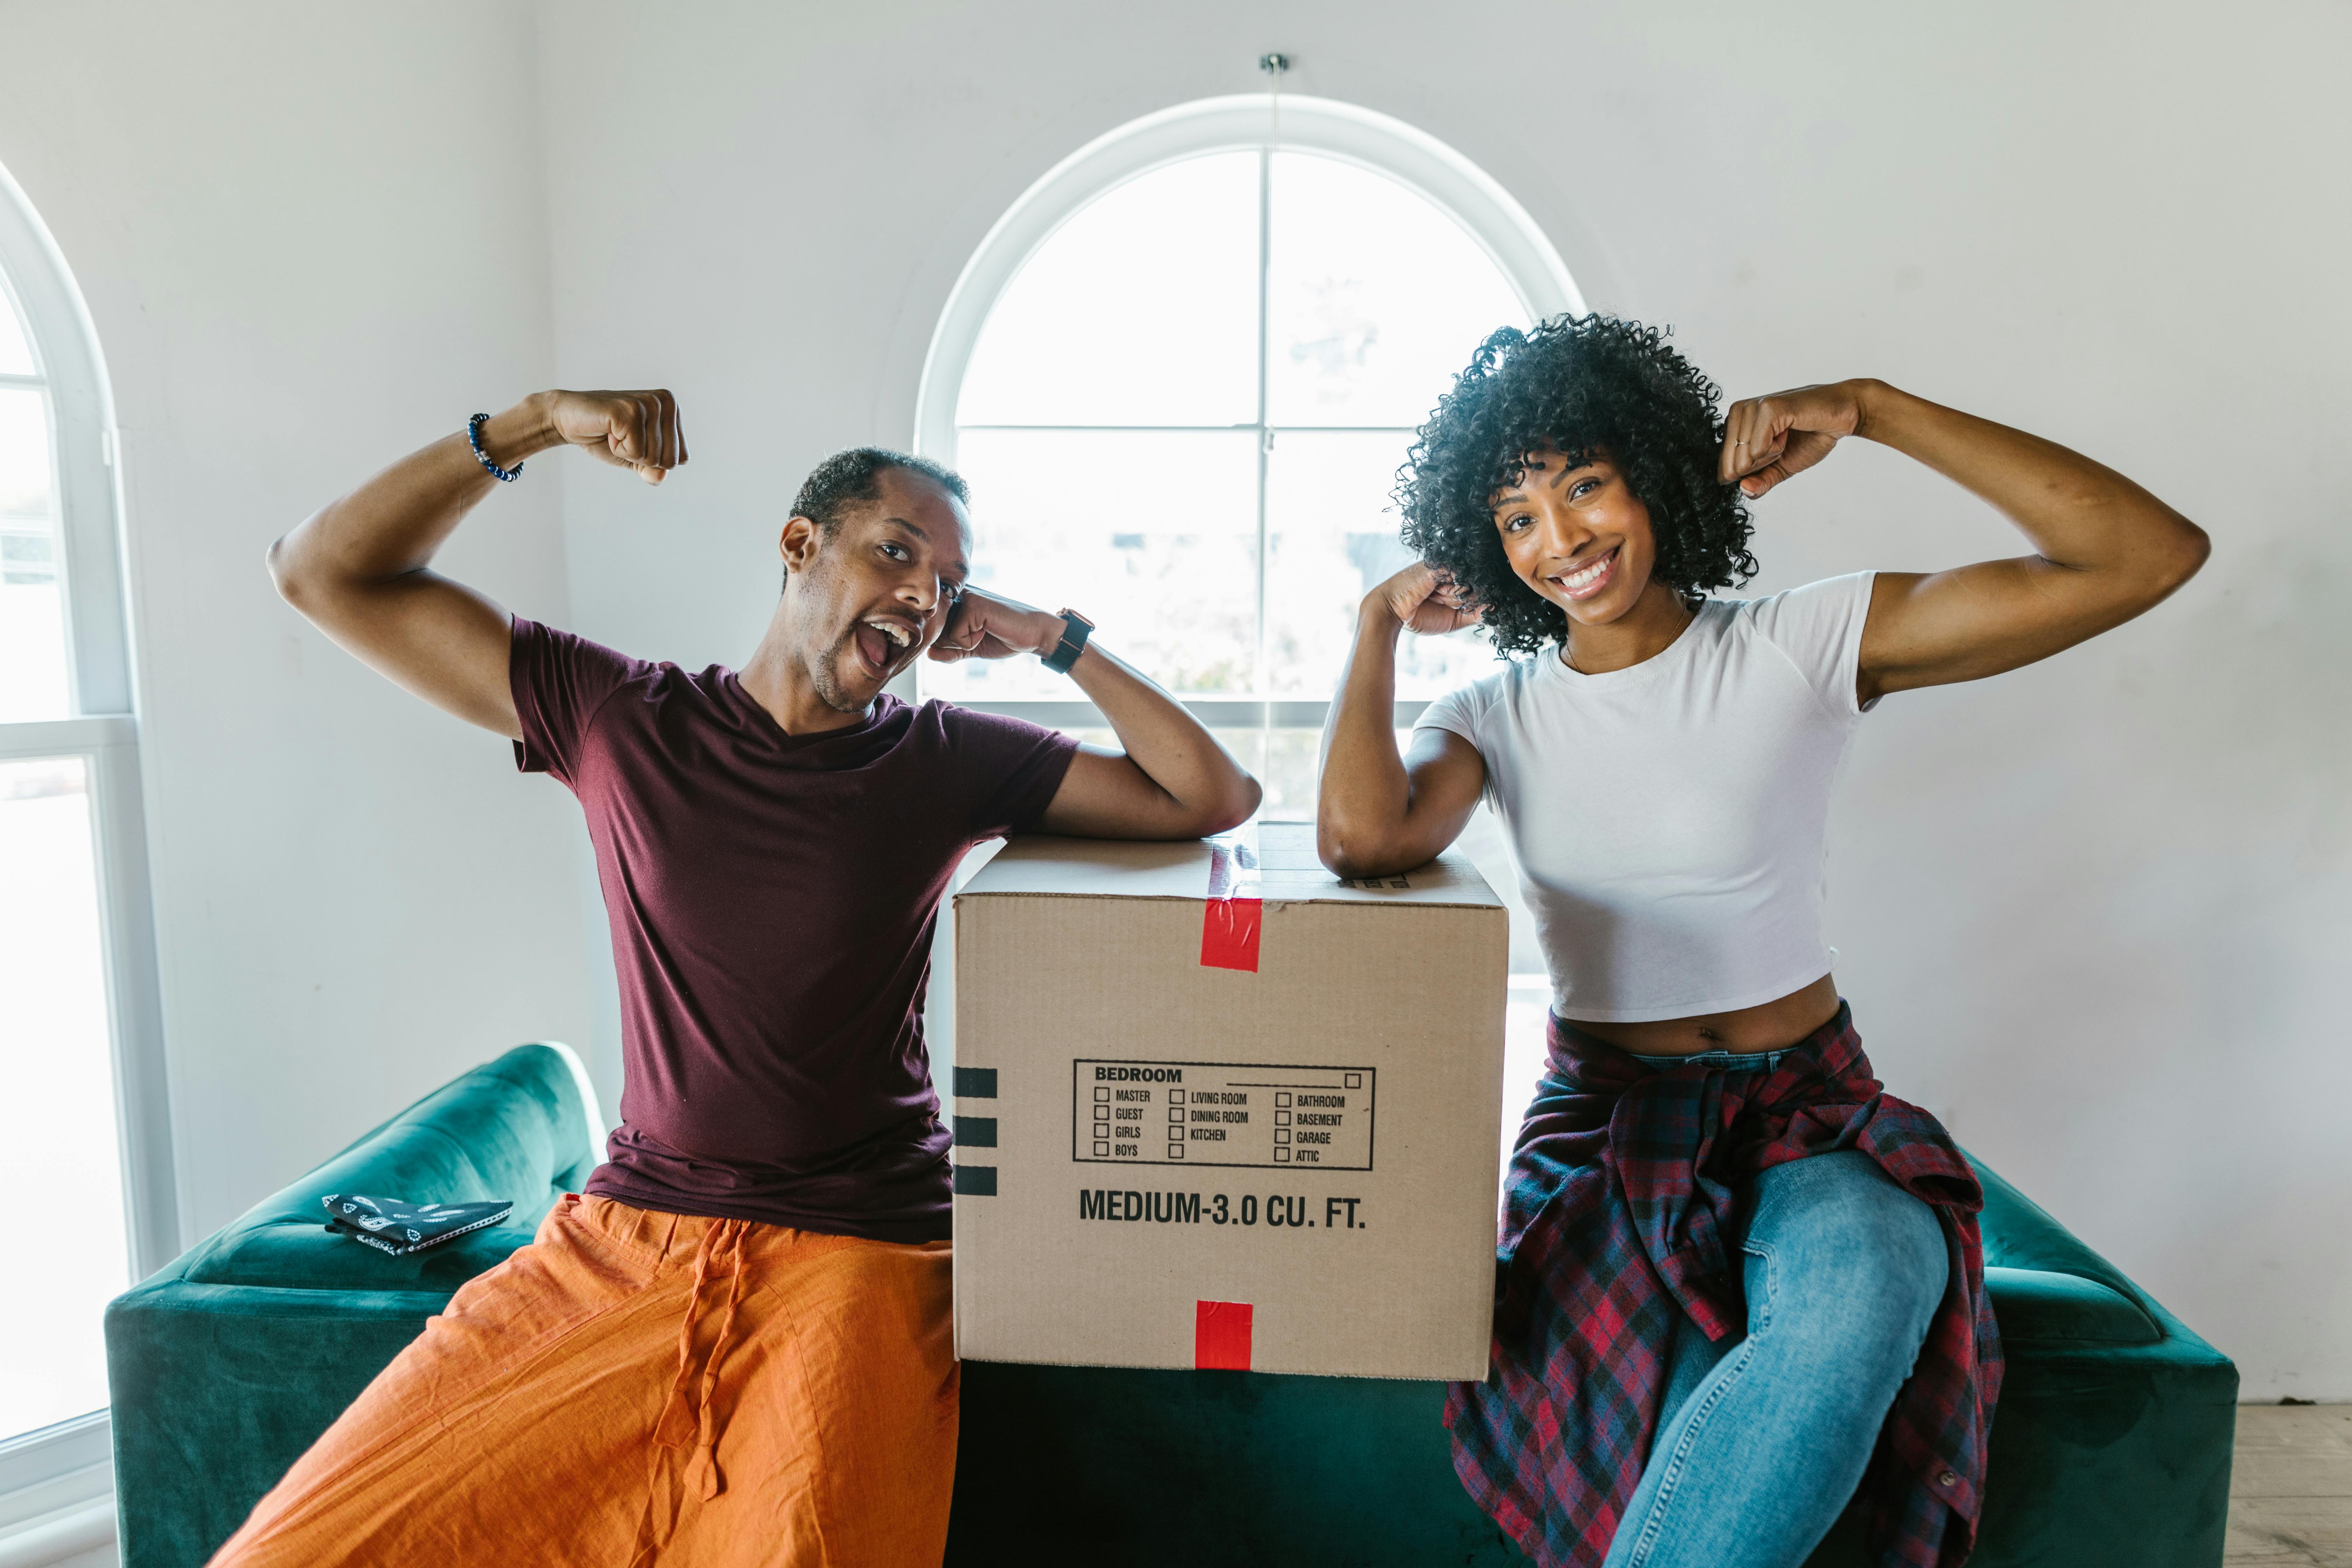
{"x": 1445, "y": 777}
{"x": 1935, "y": 628}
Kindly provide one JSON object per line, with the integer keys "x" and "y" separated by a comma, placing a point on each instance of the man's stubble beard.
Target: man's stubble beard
{"x": 822, "y": 670}
{"x": 829, "y": 689}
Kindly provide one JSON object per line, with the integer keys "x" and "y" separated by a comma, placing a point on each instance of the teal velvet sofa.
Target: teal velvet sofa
{"x": 2111, "y": 1447}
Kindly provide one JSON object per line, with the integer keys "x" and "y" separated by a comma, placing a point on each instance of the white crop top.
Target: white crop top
{"x": 1670, "y": 820}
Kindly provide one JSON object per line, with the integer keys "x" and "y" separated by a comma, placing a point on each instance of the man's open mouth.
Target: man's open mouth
{"x": 880, "y": 640}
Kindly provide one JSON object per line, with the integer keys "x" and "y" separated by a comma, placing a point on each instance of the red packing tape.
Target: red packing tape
{"x": 1221, "y": 1336}
{"x": 1229, "y": 933}
{"x": 1230, "y": 922}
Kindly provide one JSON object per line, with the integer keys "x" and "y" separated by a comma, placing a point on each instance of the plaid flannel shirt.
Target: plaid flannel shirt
{"x": 1624, "y": 1181}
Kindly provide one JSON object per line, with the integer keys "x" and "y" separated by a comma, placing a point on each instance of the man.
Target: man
{"x": 735, "y": 1347}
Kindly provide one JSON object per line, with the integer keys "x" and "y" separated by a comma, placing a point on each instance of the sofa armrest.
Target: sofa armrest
{"x": 514, "y": 1128}
{"x": 228, "y": 1364}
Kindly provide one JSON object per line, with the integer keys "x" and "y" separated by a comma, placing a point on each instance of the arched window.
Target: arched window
{"x": 87, "y": 1156}
{"x": 1181, "y": 374}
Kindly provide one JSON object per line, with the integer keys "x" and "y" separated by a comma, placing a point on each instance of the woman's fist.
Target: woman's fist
{"x": 1425, "y": 600}
{"x": 633, "y": 430}
{"x": 1767, "y": 439}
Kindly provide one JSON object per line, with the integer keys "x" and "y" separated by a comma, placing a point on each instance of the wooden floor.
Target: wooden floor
{"x": 2291, "y": 1488}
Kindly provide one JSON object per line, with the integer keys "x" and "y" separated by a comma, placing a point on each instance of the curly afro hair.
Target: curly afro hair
{"x": 1585, "y": 386}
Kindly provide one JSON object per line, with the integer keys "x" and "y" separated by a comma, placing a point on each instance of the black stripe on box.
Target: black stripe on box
{"x": 975, "y": 1132}
{"x": 976, "y": 1083}
{"x": 975, "y": 1181}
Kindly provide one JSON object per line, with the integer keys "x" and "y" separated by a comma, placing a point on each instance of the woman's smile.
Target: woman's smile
{"x": 1584, "y": 581}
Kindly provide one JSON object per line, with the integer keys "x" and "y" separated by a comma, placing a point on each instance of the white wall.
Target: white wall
{"x": 312, "y": 238}
{"x": 2089, "y": 913}
{"x": 2085, "y": 911}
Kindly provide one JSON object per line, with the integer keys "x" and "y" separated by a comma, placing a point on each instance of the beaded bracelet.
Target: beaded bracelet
{"x": 474, "y": 439}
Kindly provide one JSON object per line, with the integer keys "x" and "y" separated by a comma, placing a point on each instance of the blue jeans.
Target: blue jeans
{"x": 1762, "y": 1441}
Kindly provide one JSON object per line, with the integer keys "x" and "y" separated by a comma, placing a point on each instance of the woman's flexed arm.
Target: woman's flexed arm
{"x": 2106, "y": 550}
{"x": 1377, "y": 812}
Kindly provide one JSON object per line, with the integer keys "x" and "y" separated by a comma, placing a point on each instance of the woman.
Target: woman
{"x": 1662, "y": 763}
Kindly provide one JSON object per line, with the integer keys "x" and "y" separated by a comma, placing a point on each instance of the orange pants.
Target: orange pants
{"x": 636, "y": 1387}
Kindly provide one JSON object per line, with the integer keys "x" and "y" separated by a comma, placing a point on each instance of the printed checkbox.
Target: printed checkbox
{"x": 1282, "y": 1119}
{"x": 1355, "y": 1080}
{"x": 1102, "y": 1094}
{"x": 1175, "y": 1096}
{"x": 1175, "y": 1150}
{"x": 1175, "y": 1113}
{"x": 1102, "y": 1150}
{"x": 1281, "y": 1155}
{"x": 1281, "y": 1098}
{"x": 1282, "y": 1134}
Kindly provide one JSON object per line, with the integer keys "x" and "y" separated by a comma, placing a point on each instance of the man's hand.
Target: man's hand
{"x": 982, "y": 626}
{"x": 1768, "y": 439}
{"x": 1425, "y": 601}
{"x": 635, "y": 430}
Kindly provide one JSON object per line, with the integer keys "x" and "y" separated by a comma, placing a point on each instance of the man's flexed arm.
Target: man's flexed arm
{"x": 357, "y": 567}
{"x": 1174, "y": 780}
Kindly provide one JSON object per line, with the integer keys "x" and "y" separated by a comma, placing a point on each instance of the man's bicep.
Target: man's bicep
{"x": 1105, "y": 795}
{"x": 439, "y": 639}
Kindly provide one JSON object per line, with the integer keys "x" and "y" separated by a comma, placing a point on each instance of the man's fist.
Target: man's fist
{"x": 633, "y": 430}
{"x": 982, "y": 626}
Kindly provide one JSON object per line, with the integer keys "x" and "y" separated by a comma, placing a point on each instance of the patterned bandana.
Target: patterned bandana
{"x": 390, "y": 1225}
{"x": 1621, "y": 1189}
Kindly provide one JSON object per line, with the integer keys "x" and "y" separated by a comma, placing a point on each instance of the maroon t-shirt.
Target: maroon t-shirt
{"x": 771, "y": 899}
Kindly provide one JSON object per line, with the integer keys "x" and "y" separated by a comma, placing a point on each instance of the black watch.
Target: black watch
{"x": 1075, "y": 627}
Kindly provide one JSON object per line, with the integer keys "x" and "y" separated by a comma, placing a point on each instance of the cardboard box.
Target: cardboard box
{"x": 1216, "y": 1108}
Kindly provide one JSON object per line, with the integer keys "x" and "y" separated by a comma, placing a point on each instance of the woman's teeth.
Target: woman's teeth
{"x": 1586, "y": 581}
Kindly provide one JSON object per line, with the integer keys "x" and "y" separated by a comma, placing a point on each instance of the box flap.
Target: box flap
{"x": 1286, "y": 871}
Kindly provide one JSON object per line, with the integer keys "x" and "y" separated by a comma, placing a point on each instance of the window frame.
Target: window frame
{"x": 58, "y": 1464}
{"x": 1327, "y": 127}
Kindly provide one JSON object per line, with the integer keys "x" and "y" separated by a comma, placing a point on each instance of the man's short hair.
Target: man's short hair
{"x": 855, "y": 475}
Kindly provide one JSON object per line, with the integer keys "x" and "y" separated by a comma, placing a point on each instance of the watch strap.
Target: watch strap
{"x": 1075, "y": 630}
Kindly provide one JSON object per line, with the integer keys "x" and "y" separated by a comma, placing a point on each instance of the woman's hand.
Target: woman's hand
{"x": 1425, "y": 601}
{"x": 1768, "y": 439}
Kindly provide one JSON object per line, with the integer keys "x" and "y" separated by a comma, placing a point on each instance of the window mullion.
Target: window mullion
{"x": 1261, "y": 678}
